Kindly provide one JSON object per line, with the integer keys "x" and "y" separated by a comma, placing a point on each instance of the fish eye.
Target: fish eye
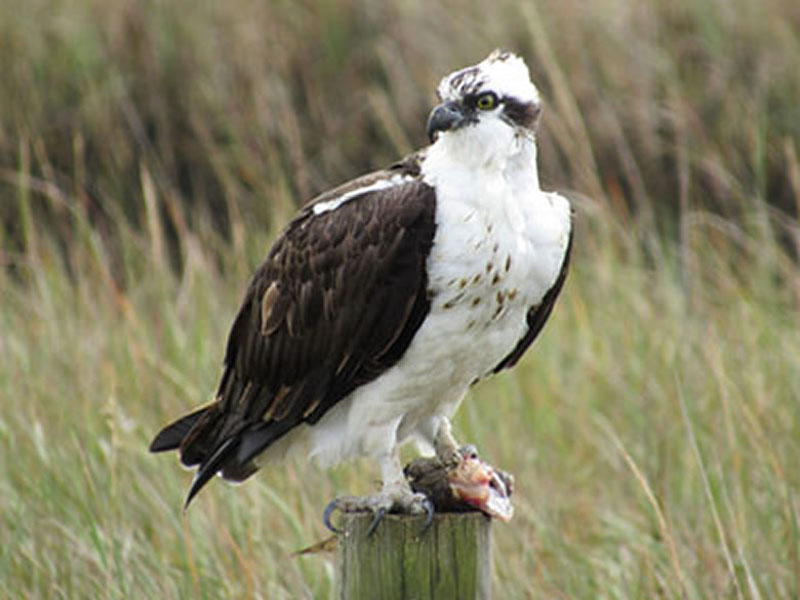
{"x": 486, "y": 101}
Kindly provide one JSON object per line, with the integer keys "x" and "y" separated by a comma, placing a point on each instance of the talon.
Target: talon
{"x": 388, "y": 501}
{"x": 326, "y": 516}
{"x": 427, "y": 505}
{"x": 376, "y": 519}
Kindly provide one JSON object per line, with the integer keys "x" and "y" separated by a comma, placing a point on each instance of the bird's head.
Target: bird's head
{"x": 493, "y": 100}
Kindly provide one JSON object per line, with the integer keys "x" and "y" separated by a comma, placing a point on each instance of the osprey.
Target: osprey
{"x": 387, "y": 297}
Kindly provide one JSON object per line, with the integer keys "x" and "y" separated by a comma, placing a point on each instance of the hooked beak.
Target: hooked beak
{"x": 444, "y": 117}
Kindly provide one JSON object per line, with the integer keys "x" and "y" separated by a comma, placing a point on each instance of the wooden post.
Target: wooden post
{"x": 451, "y": 560}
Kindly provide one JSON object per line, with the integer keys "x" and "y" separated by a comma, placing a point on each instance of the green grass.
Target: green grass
{"x": 148, "y": 157}
{"x": 653, "y": 432}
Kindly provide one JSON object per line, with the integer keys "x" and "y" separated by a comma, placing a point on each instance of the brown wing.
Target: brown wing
{"x": 337, "y": 302}
{"x": 537, "y": 315}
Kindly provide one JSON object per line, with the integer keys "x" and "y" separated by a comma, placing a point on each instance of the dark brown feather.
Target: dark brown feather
{"x": 538, "y": 315}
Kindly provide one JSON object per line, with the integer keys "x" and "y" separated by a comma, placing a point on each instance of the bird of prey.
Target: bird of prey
{"x": 384, "y": 299}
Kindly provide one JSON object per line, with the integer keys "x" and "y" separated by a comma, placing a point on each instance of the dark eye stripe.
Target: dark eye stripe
{"x": 521, "y": 113}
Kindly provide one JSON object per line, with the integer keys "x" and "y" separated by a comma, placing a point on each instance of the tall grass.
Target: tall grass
{"x": 653, "y": 433}
{"x": 233, "y": 108}
{"x": 149, "y": 152}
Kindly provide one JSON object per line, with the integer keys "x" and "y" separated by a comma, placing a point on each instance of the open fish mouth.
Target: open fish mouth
{"x": 477, "y": 483}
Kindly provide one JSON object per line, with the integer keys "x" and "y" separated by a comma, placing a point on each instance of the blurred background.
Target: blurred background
{"x": 150, "y": 150}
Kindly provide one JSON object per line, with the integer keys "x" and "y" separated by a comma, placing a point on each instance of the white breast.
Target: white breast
{"x": 497, "y": 251}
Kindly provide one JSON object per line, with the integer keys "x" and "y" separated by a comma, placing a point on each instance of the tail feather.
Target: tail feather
{"x": 256, "y": 439}
{"x": 205, "y": 436}
{"x": 208, "y": 439}
{"x": 212, "y": 466}
{"x": 171, "y": 437}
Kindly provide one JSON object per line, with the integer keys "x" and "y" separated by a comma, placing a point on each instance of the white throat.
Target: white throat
{"x": 485, "y": 151}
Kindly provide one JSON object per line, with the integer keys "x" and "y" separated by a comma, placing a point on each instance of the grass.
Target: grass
{"x": 148, "y": 157}
{"x": 653, "y": 434}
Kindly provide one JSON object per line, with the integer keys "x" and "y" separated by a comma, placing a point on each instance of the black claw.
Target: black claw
{"x": 428, "y": 506}
{"x": 376, "y": 519}
{"x": 326, "y": 516}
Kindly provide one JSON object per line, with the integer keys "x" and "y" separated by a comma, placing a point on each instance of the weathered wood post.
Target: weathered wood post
{"x": 451, "y": 560}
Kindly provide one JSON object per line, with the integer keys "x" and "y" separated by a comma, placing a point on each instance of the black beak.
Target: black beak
{"x": 443, "y": 118}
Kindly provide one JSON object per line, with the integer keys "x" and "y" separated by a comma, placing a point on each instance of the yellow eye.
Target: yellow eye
{"x": 486, "y": 101}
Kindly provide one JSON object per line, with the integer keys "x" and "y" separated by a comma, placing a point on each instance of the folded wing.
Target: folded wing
{"x": 336, "y": 303}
